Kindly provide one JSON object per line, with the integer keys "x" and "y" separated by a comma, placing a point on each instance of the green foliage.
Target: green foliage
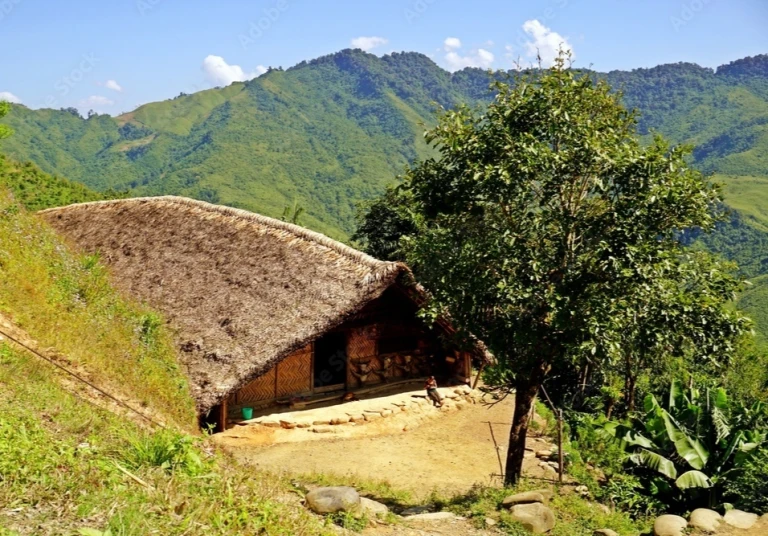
{"x": 687, "y": 451}
{"x": 5, "y": 130}
{"x": 349, "y": 521}
{"x": 748, "y": 490}
{"x": 549, "y": 231}
{"x": 168, "y": 450}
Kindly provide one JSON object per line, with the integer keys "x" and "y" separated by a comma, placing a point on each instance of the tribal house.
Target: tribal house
{"x": 265, "y": 312}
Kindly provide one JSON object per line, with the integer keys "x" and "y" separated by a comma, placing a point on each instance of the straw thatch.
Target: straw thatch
{"x": 242, "y": 291}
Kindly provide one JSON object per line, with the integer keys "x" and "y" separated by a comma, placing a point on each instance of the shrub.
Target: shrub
{"x": 749, "y": 490}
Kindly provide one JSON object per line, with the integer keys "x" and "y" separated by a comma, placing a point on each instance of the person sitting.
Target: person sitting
{"x": 432, "y": 392}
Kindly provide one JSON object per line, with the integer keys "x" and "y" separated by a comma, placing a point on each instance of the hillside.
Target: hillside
{"x": 334, "y": 131}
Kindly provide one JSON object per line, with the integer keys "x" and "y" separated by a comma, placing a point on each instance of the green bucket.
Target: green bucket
{"x": 247, "y": 414}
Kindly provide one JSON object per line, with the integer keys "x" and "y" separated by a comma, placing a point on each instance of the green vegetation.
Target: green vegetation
{"x": 67, "y": 467}
{"x": 65, "y": 301}
{"x": 546, "y": 229}
{"x": 334, "y": 131}
{"x": 686, "y": 452}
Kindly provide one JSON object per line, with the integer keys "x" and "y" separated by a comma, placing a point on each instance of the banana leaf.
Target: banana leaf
{"x": 656, "y": 462}
{"x": 693, "y": 479}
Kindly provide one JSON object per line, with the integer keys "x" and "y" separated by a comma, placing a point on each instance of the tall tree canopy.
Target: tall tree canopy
{"x": 548, "y": 230}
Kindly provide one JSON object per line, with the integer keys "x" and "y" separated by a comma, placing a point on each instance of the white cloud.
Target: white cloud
{"x": 543, "y": 42}
{"x": 220, "y": 73}
{"x": 369, "y": 43}
{"x": 10, "y": 97}
{"x": 456, "y": 60}
{"x": 479, "y": 58}
{"x": 113, "y": 85}
{"x": 96, "y": 101}
{"x": 452, "y": 43}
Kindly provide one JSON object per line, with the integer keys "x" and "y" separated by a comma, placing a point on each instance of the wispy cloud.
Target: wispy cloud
{"x": 220, "y": 73}
{"x": 113, "y": 85}
{"x": 544, "y": 42}
{"x": 10, "y": 97}
{"x": 96, "y": 101}
{"x": 369, "y": 43}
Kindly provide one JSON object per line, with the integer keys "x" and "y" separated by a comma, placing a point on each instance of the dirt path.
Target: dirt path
{"x": 449, "y": 453}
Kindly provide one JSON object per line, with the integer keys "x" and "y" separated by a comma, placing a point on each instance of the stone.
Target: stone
{"x": 358, "y": 419}
{"x": 372, "y": 416}
{"x": 333, "y": 499}
{"x": 546, "y": 493}
{"x": 373, "y": 508}
{"x": 535, "y": 517}
{"x": 322, "y": 430}
{"x": 740, "y": 519}
{"x": 288, "y": 425}
{"x": 669, "y": 525}
{"x": 339, "y": 420}
{"x": 321, "y": 423}
{"x": 433, "y": 516}
{"x": 270, "y": 424}
{"x": 529, "y": 454}
{"x": 705, "y": 520}
{"x": 303, "y": 424}
{"x": 489, "y": 522}
{"x": 522, "y": 498}
{"x": 413, "y": 510}
{"x": 386, "y": 412}
{"x": 544, "y": 454}
{"x": 605, "y": 532}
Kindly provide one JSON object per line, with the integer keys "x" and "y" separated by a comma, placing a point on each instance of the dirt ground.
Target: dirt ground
{"x": 448, "y": 453}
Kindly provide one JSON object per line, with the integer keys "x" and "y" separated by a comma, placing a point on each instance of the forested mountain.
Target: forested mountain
{"x": 334, "y": 131}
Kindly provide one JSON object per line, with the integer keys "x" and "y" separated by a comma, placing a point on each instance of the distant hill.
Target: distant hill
{"x": 334, "y": 131}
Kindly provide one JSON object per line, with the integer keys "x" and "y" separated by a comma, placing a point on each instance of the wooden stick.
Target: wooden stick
{"x": 477, "y": 378}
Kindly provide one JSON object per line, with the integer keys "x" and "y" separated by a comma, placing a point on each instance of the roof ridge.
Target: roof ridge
{"x": 296, "y": 230}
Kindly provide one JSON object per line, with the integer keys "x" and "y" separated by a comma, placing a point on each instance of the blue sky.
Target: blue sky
{"x": 113, "y": 55}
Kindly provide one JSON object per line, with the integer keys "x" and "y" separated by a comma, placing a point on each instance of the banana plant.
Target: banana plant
{"x": 693, "y": 443}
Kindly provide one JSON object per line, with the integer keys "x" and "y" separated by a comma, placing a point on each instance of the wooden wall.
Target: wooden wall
{"x": 293, "y": 375}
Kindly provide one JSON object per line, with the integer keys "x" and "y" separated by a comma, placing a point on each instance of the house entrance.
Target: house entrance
{"x": 330, "y": 362}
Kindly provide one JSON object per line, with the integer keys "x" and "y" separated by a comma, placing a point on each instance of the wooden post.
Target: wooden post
{"x": 560, "y": 443}
{"x": 477, "y": 378}
{"x": 223, "y": 415}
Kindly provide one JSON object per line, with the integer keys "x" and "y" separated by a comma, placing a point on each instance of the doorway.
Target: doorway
{"x": 330, "y": 362}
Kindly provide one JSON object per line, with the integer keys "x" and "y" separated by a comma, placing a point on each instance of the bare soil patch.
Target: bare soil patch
{"x": 449, "y": 453}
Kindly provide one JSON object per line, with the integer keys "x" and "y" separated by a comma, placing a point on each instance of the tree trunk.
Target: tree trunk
{"x": 525, "y": 394}
{"x": 631, "y": 388}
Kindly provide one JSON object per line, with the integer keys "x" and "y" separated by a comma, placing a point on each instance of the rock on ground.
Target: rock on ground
{"x": 535, "y": 517}
{"x": 740, "y": 519}
{"x": 373, "y": 508}
{"x": 669, "y": 525}
{"x": 705, "y": 520}
{"x": 333, "y": 499}
{"x": 526, "y": 497}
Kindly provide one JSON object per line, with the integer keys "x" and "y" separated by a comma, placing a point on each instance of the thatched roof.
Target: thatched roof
{"x": 241, "y": 290}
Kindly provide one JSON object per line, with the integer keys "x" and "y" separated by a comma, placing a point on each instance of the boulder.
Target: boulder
{"x": 669, "y": 525}
{"x": 527, "y": 497}
{"x": 535, "y": 517}
{"x": 705, "y": 520}
{"x": 544, "y": 454}
{"x": 333, "y": 499}
{"x": 339, "y": 420}
{"x": 373, "y": 508}
{"x": 605, "y": 532}
{"x": 740, "y": 519}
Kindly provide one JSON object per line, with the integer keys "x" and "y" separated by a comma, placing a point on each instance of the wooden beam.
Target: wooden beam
{"x": 223, "y": 415}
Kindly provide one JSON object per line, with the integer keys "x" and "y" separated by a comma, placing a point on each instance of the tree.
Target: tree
{"x": 542, "y": 218}
{"x": 5, "y": 130}
{"x": 292, "y": 214}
